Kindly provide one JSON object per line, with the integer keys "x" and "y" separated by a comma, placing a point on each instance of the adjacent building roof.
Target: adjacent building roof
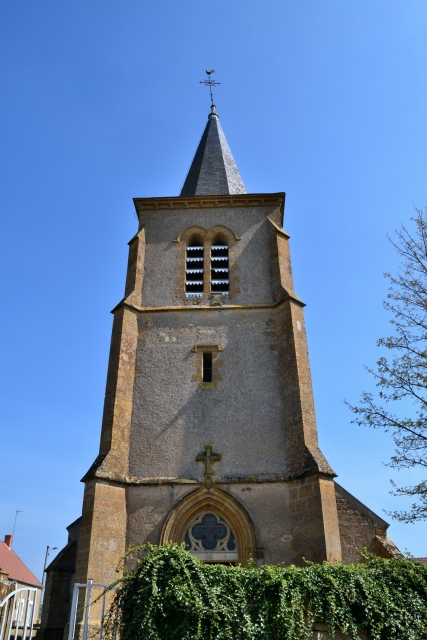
{"x": 213, "y": 170}
{"x": 16, "y": 569}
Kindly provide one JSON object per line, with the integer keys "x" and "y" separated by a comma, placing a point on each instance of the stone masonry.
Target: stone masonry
{"x": 258, "y": 412}
{"x": 269, "y": 481}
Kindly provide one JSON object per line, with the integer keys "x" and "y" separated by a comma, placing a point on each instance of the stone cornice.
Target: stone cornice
{"x": 226, "y": 307}
{"x": 211, "y": 202}
{"x": 168, "y": 480}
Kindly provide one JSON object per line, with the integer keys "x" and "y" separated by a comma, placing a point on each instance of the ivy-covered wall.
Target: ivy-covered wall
{"x": 169, "y": 595}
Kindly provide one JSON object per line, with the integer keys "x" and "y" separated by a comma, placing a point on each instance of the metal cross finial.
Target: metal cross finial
{"x": 210, "y": 83}
{"x": 207, "y": 456}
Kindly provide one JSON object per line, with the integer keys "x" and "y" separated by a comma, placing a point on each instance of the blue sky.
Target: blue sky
{"x": 100, "y": 103}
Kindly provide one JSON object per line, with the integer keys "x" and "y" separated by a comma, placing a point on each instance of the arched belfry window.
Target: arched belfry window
{"x": 220, "y": 282}
{"x": 194, "y": 269}
{"x": 210, "y": 538}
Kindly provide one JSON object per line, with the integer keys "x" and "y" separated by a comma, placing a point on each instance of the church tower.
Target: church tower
{"x": 209, "y": 432}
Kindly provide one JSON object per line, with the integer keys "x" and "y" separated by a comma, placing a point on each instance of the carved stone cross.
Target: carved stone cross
{"x": 207, "y": 456}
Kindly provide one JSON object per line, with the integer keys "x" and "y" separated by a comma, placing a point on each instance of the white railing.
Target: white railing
{"x": 17, "y": 612}
{"x": 87, "y": 605}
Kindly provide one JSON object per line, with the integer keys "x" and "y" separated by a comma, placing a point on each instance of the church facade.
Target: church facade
{"x": 209, "y": 433}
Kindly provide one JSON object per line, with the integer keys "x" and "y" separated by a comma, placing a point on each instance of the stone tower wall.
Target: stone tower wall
{"x": 258, "y": 411}
{"x": 174, "y": 416}
{"x": 164, "y": 258}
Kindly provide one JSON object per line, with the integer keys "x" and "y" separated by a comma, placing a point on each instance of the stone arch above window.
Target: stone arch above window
{"x": 229, "y": 512}
{"x": 229, "y": 234}
{"x": 207, "y": 259}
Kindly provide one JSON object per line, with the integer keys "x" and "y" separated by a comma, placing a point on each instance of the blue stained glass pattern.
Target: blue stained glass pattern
{"x": 209, "y": 532}
{"x": 187, "y": 542}
{"x": 231, "y": 544}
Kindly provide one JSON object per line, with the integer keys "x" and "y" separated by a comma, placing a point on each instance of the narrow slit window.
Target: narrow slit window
{"x": 194, "y": 270}
{"x": 207, "y": 367}
{"x": 220, "y": 283}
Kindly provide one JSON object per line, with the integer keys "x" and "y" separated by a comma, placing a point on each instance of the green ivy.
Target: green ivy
{"x": 169, "y": 595}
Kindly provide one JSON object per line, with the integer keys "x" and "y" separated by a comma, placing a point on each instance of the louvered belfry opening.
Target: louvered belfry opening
{"x": 220, "y": 282}
{"x": 194, "y": 269}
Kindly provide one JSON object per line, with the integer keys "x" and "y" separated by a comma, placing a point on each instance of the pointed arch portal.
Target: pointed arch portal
{"x": 214, "y": 525}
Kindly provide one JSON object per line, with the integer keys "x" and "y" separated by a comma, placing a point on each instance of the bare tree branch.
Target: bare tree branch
{"x": 405, "y": 374}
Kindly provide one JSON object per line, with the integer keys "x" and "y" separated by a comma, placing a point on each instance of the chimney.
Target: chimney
{"x": 8, "y": 540}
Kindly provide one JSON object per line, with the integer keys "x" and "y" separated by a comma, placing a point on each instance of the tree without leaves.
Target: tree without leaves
{"x": 403, "y": 376}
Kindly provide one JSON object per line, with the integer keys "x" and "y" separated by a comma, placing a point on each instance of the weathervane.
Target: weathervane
{"x": 210, "y": 83}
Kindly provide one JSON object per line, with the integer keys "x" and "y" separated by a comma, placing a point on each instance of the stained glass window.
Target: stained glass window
{"x": 210, "y": 538}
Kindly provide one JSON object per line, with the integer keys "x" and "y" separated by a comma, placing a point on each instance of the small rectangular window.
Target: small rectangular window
{"x": 207, "y": 366}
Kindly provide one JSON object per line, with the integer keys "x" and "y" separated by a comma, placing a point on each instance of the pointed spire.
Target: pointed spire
{"x": 213, "y": 170}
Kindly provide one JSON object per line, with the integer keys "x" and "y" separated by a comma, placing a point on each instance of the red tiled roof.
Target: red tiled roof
{"x": 422, "y": 560}
{"x": 16, "y": 569}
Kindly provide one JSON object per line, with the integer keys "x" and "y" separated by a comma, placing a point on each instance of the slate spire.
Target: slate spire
{"x": 213, "y": 170}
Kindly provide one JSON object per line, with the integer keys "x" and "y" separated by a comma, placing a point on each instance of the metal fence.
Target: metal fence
{"x": 97, "y": 628}
{"x": 17, "y": 612}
